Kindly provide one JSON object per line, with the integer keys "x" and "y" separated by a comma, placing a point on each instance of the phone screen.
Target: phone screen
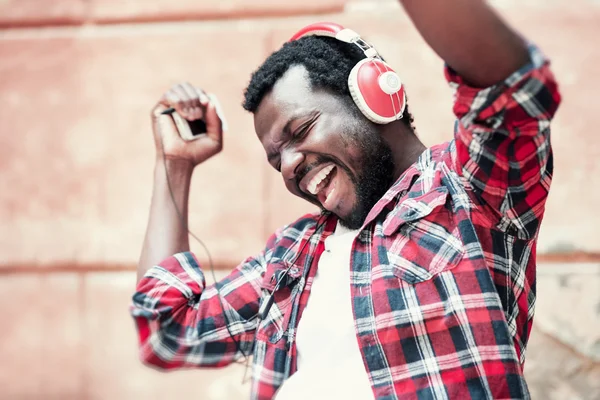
{"x": 198, "y": 127}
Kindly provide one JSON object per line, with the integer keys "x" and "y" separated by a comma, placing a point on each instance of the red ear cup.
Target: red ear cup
{"x": 374, "y": 86}
{"x": 377, "y": 91}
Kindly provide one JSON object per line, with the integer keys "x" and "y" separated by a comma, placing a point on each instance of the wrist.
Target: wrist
{"x": 174, "y": 165}
{"x": 177, "y": 169}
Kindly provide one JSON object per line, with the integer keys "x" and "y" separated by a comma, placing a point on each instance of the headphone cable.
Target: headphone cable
{"x": 268, "y": 302}
{"x": 211, "y": 265}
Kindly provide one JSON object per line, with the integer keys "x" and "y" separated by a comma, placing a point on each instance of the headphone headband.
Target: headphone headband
{"x": 329, "y": 29}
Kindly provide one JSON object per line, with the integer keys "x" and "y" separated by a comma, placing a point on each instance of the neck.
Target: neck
{"x": 405, "y": 145}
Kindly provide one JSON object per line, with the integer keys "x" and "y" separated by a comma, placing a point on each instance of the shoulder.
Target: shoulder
{"x": 289, "y": 236}
{"x": 298, "y": 227}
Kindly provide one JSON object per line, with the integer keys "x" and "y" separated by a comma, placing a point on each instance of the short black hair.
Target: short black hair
{"x": 327, "y": 60}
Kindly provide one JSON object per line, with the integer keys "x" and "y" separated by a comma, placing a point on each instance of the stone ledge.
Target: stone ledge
{"x": 16, "y": 13}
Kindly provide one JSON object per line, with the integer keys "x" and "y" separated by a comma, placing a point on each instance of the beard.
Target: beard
{"x": 375, "y": 177}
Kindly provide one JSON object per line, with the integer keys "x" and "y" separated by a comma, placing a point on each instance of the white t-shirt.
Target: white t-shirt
{"x": 330, "y": 364}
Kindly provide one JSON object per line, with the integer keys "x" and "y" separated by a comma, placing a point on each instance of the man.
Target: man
{"x": 418, "y": 278}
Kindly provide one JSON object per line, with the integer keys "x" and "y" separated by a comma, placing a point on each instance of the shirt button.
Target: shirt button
{"x": 294, "y": 270}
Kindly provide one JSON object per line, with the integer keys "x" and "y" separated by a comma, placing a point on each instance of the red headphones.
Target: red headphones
{"x": 374, "y": 86}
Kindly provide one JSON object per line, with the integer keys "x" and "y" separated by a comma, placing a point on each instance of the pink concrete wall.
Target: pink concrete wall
{"x": 77, "y": 80}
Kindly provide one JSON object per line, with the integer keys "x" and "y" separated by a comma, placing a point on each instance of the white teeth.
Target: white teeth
{"x": 314, "y": 182}
{"x": 330, "y": 195}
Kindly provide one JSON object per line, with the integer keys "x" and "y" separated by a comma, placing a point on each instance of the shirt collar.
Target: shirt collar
{"x": 406, "y": 180}
{"x": 398, "y": 189}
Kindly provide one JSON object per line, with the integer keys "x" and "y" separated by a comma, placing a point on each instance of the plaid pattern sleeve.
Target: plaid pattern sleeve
{"x": 503, "y": 142}
{"x": 180, "y": 321}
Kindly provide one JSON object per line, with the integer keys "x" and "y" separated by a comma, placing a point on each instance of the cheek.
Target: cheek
{"x": 352, "y": 138}
{"x": 355, "y": 156}
{"x": 352, "y": 153}
{"x": 342, "y": 136}
{"x": 290, "y": 187}
{"x": 336, "y": 140}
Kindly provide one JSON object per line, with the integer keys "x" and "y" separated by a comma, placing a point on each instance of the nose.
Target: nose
{"x": 290, "y": 161}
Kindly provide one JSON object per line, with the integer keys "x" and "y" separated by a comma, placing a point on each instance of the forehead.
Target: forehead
{"x": 291, "y": 94}
{"x": 292, "y": 87}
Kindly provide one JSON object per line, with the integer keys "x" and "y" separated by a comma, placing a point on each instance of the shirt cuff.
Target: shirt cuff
{"x": 469, "y": 98}
{"x": 174, "y": 282}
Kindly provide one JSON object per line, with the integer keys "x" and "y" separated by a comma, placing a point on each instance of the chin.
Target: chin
{"x": 351, "y": 224}
{"x": 352, "y": 221}
{"x": 356, "y": 217}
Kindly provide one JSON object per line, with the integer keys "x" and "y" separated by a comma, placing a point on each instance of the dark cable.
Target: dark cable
{"x": 269, "y": 299}
{"x": 264, "y": 308}
{"x": 185, "y": 225}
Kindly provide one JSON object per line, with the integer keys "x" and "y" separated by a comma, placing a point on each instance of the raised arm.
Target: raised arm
{"x": 470, "y": 37}
{"x": 505, "y": 98}
{"x": 181, "y": 322}
{"x": 167, "y": 233}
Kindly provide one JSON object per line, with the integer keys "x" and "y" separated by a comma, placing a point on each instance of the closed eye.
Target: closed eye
{"x": 292, "y": 137}
{"x": 300, "y": 132}
{"x": 303, "y": 129}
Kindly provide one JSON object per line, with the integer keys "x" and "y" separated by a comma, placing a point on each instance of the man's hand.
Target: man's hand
{"x": 191, "y": 103}
{"x": 167, "y": 232}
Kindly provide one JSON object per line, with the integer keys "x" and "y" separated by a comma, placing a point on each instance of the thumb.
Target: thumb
{"x": 159, "y": 108}
{"x": 163, "y": 125}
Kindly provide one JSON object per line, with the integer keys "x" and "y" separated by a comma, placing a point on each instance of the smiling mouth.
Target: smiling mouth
{"x": 322, "y": 185}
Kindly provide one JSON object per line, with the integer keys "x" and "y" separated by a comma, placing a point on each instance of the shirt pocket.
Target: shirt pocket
{"x": 422, "y": 237}
{"x": 275, "y": 323}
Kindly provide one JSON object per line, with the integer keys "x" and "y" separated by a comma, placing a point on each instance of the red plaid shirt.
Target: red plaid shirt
{"x": 442, "y": 272}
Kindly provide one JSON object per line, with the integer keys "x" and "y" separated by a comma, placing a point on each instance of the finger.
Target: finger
{"x": 202, "y": 96}
{"x": 196, "y": 106}
{"x": 184, "y": 103}
{"x": 204, "y": 100}
{"x": 170, "y": 99}
{"x": 159, "y": 107}
{"x": 192, "y": 94}
{"x": 163, "y": 125}
{"x": 167, "y": 99}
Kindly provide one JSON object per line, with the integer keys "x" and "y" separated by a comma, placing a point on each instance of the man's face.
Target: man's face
{"x": 327, "y": 154}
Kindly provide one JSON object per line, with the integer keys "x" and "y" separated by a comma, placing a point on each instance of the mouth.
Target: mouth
{"x": 322, "y": 185}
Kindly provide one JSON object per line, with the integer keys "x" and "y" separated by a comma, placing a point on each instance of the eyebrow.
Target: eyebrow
{"x": 285, "y": 131}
